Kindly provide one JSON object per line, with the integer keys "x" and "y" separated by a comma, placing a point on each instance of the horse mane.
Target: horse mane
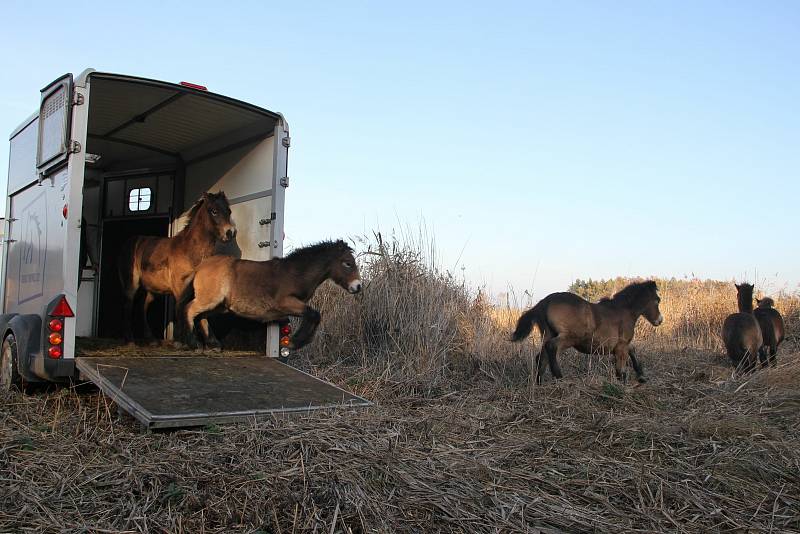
{"x": 323, "y": 248}
{"x": 199, "y": 202}
{"x": 633, "y": 295}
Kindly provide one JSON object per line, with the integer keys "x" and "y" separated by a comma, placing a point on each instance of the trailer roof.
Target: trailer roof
{"x": 125, "y": 103}
{"x": 132, "y": 116}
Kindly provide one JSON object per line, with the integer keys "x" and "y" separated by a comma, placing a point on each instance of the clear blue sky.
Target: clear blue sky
{"x": 547, "y": 140}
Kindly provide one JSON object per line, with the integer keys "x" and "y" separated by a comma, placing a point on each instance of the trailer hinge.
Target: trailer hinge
{"x": 75, "y": 147}
{"x": 265, "y": 221}
{"x": 9, "y": 241}
{"x": 263, "y": 244}
{"x": 285, "y": 181}
{"x": 286, "y": 141}
{"x": 78, "y": 100}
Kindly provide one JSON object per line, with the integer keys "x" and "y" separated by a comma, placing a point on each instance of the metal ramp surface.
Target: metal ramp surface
{"x": 181, "y": 391}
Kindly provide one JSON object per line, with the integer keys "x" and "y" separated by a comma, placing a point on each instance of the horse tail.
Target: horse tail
{"x": 536, "y": 315}
{"x": 125, "y": 266}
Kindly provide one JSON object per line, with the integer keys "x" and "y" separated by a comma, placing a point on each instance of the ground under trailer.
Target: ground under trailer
{"x": 108, "y": 156}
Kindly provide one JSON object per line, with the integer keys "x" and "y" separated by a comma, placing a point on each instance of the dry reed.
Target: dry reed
{"x": 460, "y": 440}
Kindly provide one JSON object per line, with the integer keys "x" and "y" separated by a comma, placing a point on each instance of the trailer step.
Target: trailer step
{"x": 183, "y": 391}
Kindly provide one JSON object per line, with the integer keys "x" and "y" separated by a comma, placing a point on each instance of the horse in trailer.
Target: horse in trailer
{"x": 741, "y": 333}
{"x": 166, "y": 265}
{"x": 566, "y": 320}
{"x": 773, "y": 329}
{"x": 267, "y": 291}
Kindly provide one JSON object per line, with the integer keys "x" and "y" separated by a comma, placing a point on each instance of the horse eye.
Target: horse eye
{"x": 214, "y": 212}
{"x": 347, "y": 264}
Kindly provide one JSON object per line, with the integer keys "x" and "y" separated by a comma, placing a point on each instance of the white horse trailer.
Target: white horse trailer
{"x": 105, "y": 157}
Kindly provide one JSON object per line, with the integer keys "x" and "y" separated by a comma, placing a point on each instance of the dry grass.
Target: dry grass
{"x": 460, "y": 440}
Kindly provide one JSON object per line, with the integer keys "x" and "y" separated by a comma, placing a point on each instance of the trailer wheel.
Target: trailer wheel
{"x": 9, "y": 374}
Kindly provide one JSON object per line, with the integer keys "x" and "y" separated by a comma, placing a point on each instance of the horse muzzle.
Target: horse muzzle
{"x": 659, "y": 320}
{"x": 230, "y": 234}
{"x": 354, "y": 287}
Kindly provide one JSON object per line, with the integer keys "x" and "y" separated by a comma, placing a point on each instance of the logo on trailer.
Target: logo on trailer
{"x": 33, "y": 240}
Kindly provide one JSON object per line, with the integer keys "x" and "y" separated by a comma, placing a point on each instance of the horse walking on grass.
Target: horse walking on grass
{"x": 165, "y": 265}
{"x": 566, "y": 320}
{"x": 268, "y": 291}
{"x": 773, "y": 329}
{"x": 741, "y": 332}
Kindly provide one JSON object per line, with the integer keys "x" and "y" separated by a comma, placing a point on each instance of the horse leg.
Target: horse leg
{"x": 554, "y": 347}
{"x": 148, "y": 333}
{"x": 311, "y": 320}
{"x": 620, "y": 360}
{"x": 193, "y": 309}
{"x": 541, "y": 365}
{"x": 763, "y": 355}
{"x": 636, "y": 366}
{"x": 211, "y": 340}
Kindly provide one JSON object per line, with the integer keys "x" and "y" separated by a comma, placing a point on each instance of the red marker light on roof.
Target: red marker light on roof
{"x": 62, "y": 309}
{"x": 64, "y": 211}
{"x": 194, "y": 86}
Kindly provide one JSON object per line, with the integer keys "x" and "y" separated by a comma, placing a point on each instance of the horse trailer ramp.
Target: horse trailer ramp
{"x": 184, "y": 391}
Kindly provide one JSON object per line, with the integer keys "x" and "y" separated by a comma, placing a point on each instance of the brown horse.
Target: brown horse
{"x": 773, "y": 329}
{"x": 567, "y": 320}
{"x": 165, "y": 266}
{"x": 268, "y": 290}
{"x": 741, "y": 333}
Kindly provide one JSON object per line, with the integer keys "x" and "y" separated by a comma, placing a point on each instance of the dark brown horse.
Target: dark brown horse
{"x": 741, "y": 333}
{"x": 268, "y": 290}
{"x": 773, "y": 329}
{"x": 165, "y": 266}
{"x": 566, "y": 320}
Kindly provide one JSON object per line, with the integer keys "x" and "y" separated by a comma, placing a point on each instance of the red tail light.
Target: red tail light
{"x": 55, "y": 352}
{"x": 286, "y": 330}
{"x": 62, "y": 309}
{"x": 55, "y": 325}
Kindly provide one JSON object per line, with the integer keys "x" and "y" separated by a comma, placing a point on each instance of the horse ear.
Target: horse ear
{"x": 737, "y": 285}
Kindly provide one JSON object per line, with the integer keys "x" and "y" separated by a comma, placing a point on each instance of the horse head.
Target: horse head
{"x": 219, "y": 216}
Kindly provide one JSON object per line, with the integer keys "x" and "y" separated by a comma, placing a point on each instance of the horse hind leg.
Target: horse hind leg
{"x": 541, "y": 365}
{"x": 148, "y": 333}
{"x": 211, "y": 340}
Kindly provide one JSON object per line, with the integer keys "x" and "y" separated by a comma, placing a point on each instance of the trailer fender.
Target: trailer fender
{"x": 27, "y": 331}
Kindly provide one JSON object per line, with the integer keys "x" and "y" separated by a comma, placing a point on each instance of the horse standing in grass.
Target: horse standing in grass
{"x": 567, "y": 320}
{"x": 270, "y": 290}
{"x": 773, "y": 329}
{"x": 164, "y": 265}
{"x": 741, "y": 333}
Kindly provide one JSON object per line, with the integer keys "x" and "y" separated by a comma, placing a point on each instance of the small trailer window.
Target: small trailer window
{"x": 139, "y": 199}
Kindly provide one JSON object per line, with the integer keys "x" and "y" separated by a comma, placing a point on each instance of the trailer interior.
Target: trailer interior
{"x": 152, "y": 149}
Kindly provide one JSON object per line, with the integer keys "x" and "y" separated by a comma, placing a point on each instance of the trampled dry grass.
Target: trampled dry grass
{"x": 460, "y": 440}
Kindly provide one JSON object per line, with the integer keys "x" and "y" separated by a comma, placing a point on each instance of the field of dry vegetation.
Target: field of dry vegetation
{"x": 460, "y": 438}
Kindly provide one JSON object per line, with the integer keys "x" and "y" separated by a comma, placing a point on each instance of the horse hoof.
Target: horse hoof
{"x": 642, "y": 379}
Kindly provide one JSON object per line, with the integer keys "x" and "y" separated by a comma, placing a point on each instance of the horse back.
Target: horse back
{"x": 570, "y": 315}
